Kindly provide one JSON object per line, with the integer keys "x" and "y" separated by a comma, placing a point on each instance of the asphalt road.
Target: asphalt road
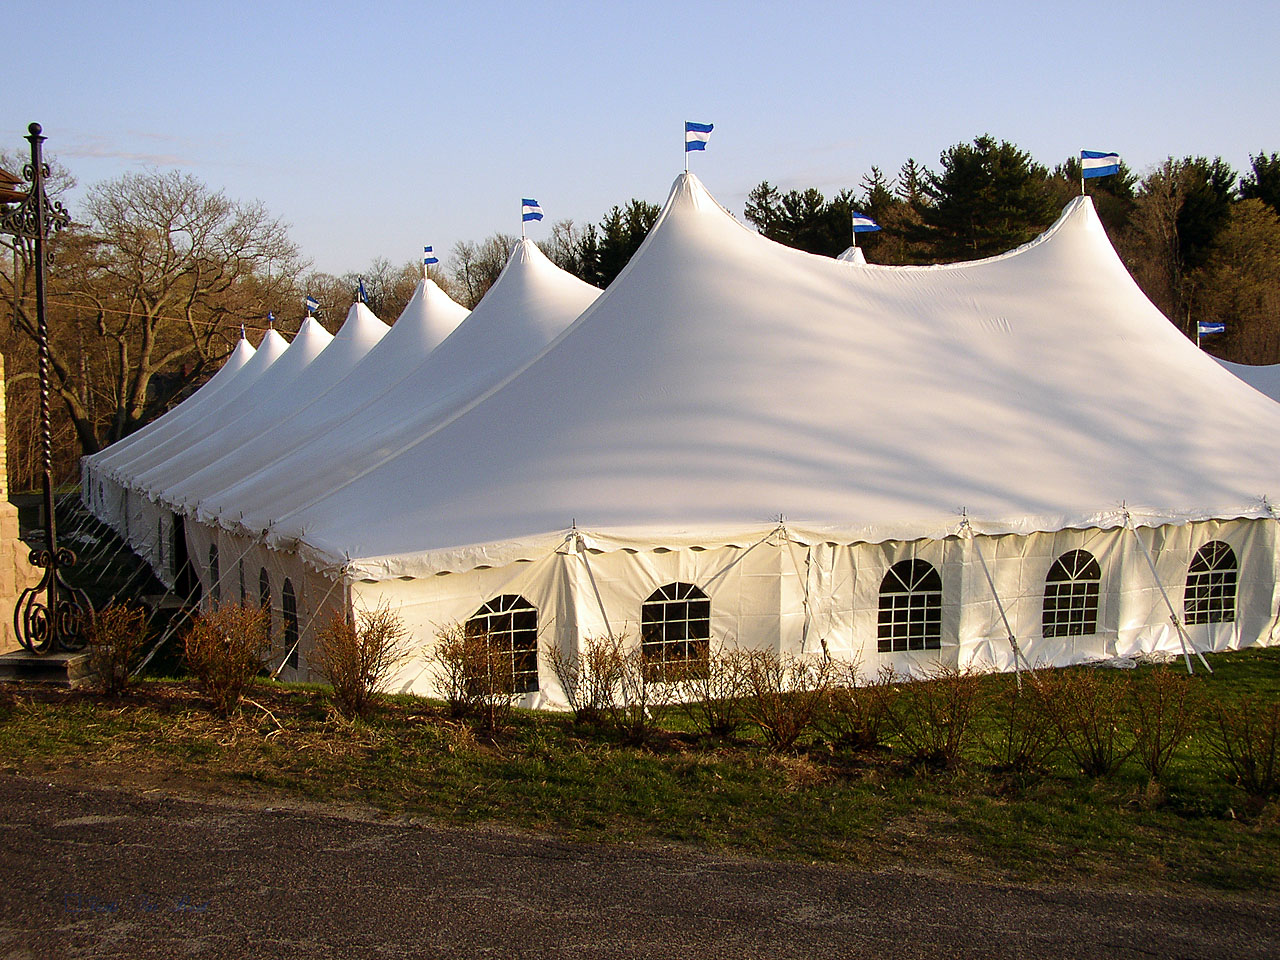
{"x": 92, "y": 872}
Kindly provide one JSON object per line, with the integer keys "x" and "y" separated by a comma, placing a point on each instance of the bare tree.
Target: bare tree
{"x": 476, "y": 265}
{"x": 158, "y": 277}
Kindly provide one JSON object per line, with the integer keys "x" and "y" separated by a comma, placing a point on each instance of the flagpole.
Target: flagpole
{"x": 522, "y": 220}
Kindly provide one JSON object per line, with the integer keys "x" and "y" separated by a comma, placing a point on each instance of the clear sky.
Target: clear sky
{"x": 377, "y": 127}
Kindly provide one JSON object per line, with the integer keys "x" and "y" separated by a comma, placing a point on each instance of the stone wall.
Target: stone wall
{"x": 16, "y": 574}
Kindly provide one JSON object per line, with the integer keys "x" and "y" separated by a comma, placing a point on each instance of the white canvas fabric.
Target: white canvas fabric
{"x": 427, "y": 320}
{"x": 1265, "y": 378}
{"x": 197, "y": 423}
{"x": 237, "y": 451}
{"x": 724, "y": 381}
{"x": 531, "y": 302}
{"x": 93, "y": 484}
{"x": 255, "y": 410}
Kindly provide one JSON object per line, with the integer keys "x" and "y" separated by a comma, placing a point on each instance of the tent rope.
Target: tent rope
{"x": 1183, "y": 637}
{"x": 966, "y": 530}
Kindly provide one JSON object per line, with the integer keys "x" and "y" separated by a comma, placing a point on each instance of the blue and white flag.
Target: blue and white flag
{"x": 1207, "y": 328}
{"x": 530, "y": 210}
{"x": 696, "y": 135}
{"x": 363, "y": 297}
{"x": 428, "y": 257}
{"x": 1095, "y": 164}
{"x": 312, "y": 304}
{"x": 864, "y": 224}
{"x": 271, "y": 319}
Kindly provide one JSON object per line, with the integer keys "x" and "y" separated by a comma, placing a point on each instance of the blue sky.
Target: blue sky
{"x": 374, "y": 128}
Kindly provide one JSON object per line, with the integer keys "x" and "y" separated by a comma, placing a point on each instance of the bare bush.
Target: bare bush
{"x": 783, "y": 693}
{"x": 854, "y": 713}
{"x": 1022, "y": 736}
{"x": 357, "y": 658}
{"x": 711, "y": 694}
{"x": 475, "y": 675}
{"x": 640, "y": 690}
{"x": 1163, "y": 716}
{"x": 589, "y": 678}
{"x": 1246, "y": 742}
{"x": 225, "y": 648}
{"x": 933, "y": 717}
{"x": 1087, "y": 709}
{"x": 116, "y": 637}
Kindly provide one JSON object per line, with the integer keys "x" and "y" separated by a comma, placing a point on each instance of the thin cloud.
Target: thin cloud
{"x": 102, "y": 147}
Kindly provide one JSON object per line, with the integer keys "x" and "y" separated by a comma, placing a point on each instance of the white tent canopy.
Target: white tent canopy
{"x": 724, "y": 381}
{"x": 1265, "y": 378}
{"x": 531, "y": 302}
{"x": 188, "y": 475}
{"x": 426, "y": 321}
{"x": 169, "y": 462}
{"x": 127, "y": 462}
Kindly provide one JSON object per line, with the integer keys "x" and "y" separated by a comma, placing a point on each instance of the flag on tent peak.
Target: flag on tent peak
{"x": 271, "y": 319}
{"x": 363, "y": 296}
{"x": 1206, "y": 328}
{"x": 864, "y": 224}
{"x": 428, "y": 257}
{"x": 530, "y": 210}
{"x": 1095, "y": 164}
{"x": 696, "y": 135}
{"x": 312, "y": 304}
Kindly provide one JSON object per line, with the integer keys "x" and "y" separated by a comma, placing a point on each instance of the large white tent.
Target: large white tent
{"x": 780, "y": 431}
{"x": 740, "y": 443}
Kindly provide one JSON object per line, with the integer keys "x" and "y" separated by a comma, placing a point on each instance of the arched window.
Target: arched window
{"x": 289, "y": 613}
{"x": 264, "y": 597}
{"x": 510, "y": 624}
{"x": 215, "y": 588}
{"x": 675, "y": 630}
{"x": 910, "y": 608}
{"x": 1211, "y": 585}
{"x": 1071, "y": 596}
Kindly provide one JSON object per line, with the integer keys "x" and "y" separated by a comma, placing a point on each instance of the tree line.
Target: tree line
{"x": 152, "y": 282}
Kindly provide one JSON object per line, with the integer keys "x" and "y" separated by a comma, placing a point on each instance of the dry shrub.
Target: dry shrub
{"x": 1246, "y": 741}
{"x": 476, "y": 676}
{"x": 783, "y": 693}
{"x": 588, "y": 678}
{"x": 116, "y": 637}
{"x": 1021, "y": 736}
{"x": 642, "y": 687}
{"x": 1087, "y": 709}
{"x": 225, "y": 649}
{"x": 933, "y": 717}
{"x": 711, "y": 694}
{"x": 357, "y": 658}
{"x": 853, "y": 714}
{"x": 1163, "y": 716}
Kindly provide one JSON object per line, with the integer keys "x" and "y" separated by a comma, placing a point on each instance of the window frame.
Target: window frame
{"x": 920, "y": 606}
{"x": 505, "y": 610}
{"x": 1072, "y": 601}
{"x": 1204, "y": 599}
{"x": 675, "y": 646}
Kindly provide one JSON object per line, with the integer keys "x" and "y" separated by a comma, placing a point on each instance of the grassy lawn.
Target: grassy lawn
{"x": 817, "y": 803}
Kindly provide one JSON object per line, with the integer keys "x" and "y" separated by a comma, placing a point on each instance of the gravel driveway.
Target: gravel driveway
{"x": 95, "y": 872}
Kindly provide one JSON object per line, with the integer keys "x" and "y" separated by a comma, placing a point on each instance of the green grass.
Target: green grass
{"x": 818, "y": 803}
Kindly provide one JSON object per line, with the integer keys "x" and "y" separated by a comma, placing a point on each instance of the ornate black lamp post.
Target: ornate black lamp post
{"x": 51, "y": 616}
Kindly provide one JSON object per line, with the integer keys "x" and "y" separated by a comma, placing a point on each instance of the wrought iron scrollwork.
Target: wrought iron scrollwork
{"x": 53, "y": 614}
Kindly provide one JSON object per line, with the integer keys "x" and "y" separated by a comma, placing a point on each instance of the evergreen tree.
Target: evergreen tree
{"x": 1263, "y": 182}
{"x": 989, "y": 198}
{"x": 605, "y": 250}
